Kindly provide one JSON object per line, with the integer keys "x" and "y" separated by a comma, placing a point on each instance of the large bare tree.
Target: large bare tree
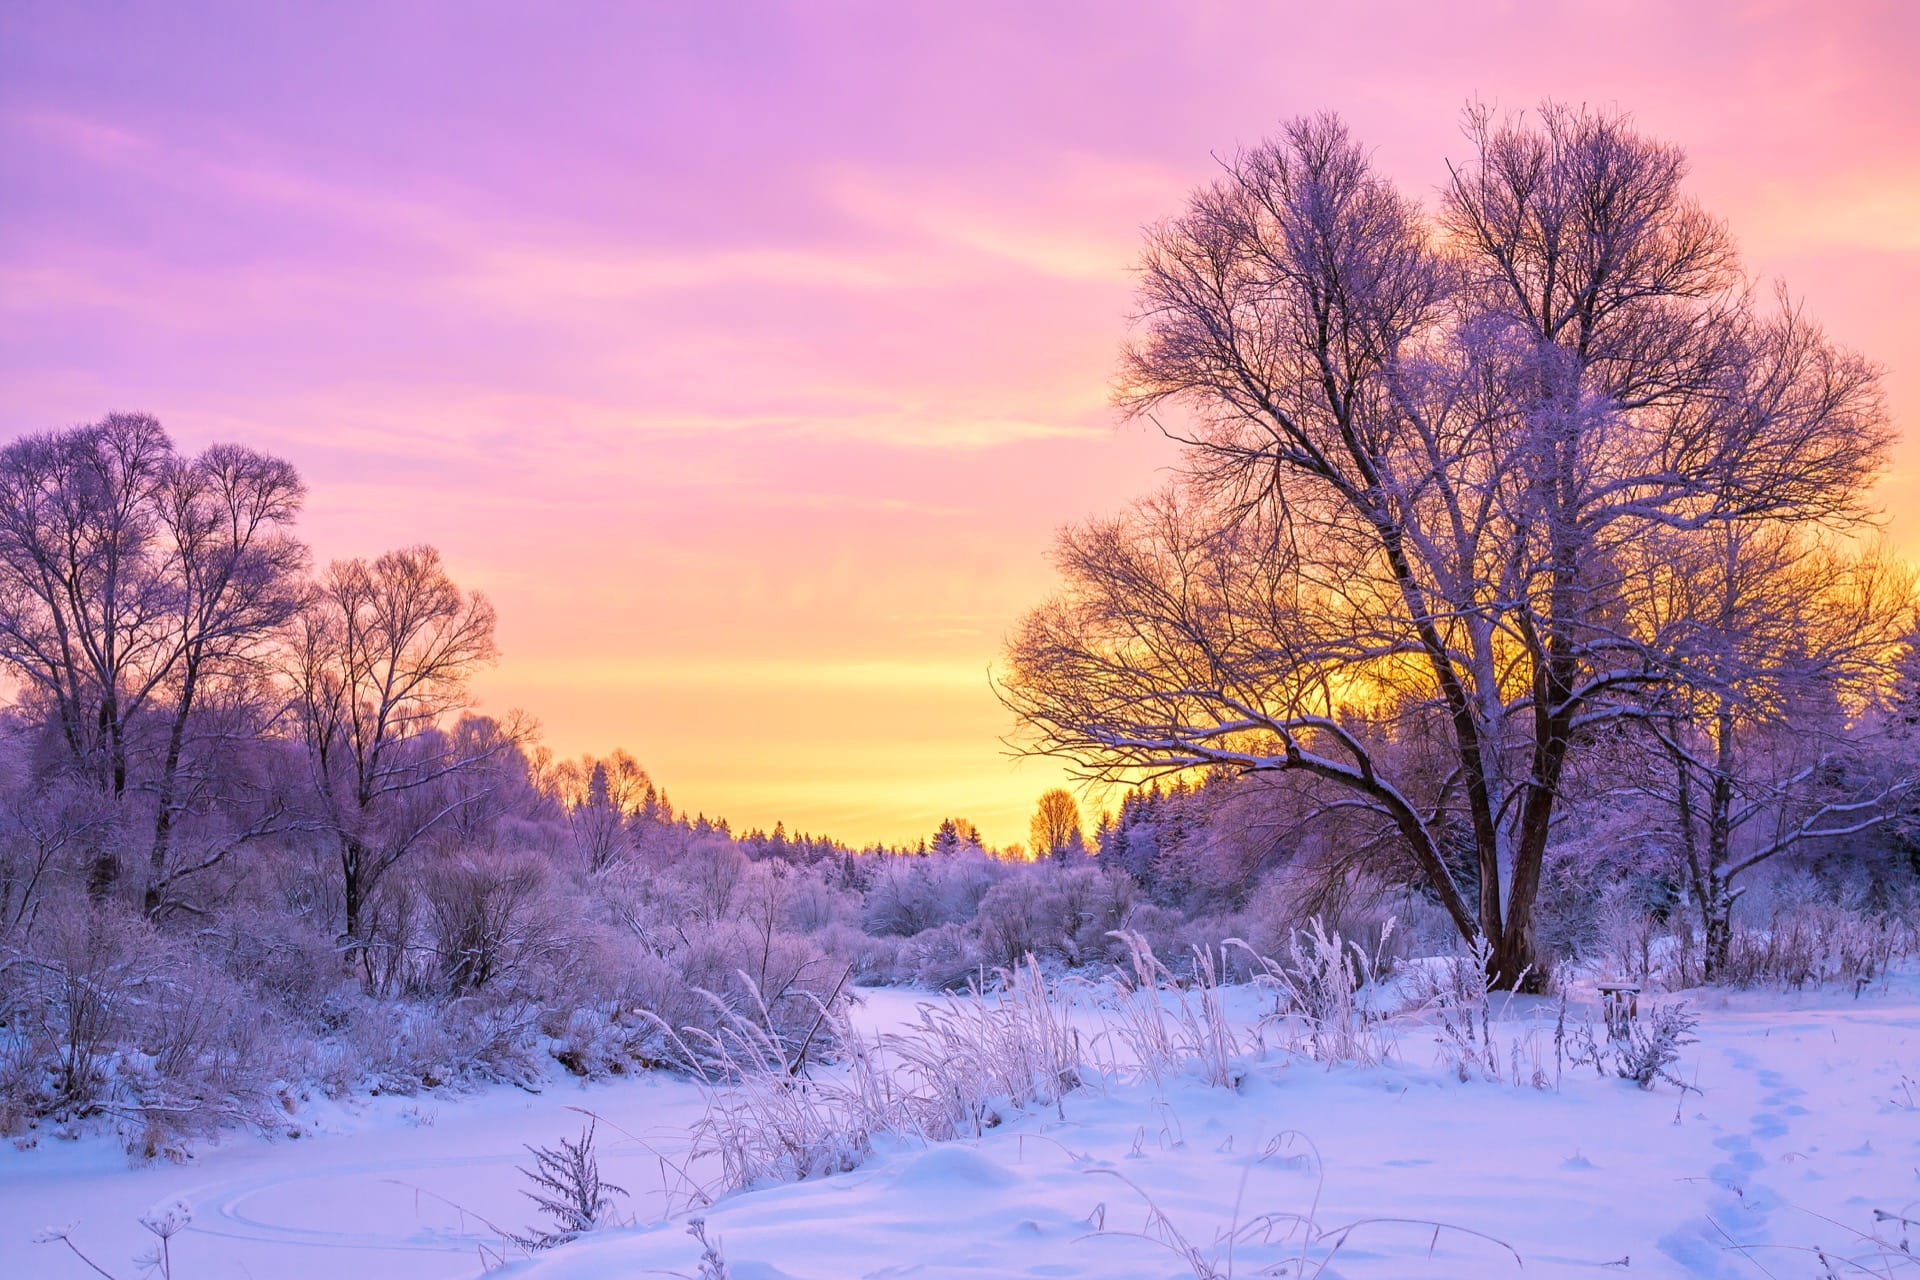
{"x": 1418, "y": 447}
{"x": 132, "y": 579}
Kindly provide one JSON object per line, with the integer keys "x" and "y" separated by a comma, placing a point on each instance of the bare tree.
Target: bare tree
{"x": 379, "y": 658}
{"x": 83, "y": 609}
{"x": 496, "y": 793}
{"x": 1416, "y": 449}
{"x": 1778, "y": 647}
{"x": 603, "y": 799}
{"x": 1055, "y": 829}
{"x": 237, "y": 576}
{"x": 132, "y": 580}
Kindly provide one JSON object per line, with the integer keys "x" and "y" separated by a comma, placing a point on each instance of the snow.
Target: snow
{"x": 1806, "y": 1121}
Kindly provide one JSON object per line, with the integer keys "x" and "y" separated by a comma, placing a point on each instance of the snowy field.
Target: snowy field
{"x": 1806, "y": 1121}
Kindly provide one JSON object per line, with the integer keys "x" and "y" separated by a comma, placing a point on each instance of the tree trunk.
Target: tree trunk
{"x": 164, "y": 799}
{"x": 1719, "y": 926}
{"x": 353, "y": 888}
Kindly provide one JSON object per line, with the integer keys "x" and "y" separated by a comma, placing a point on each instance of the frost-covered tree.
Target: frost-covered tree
{"x": 1777, "y": 647}
{"x": 1418, "y": 446}
{"x": 377, "y": 661}
{"x": 604, "y": 800}
{"x": 955, "y": 835}
{"x": 136, "y": 583}
{"x": 236, "y": 575}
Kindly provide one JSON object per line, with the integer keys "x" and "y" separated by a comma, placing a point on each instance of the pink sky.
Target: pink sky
{"x": 748, "y": 355}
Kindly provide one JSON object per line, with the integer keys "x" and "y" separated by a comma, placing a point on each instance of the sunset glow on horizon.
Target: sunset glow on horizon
{"x": 748, "y": 357}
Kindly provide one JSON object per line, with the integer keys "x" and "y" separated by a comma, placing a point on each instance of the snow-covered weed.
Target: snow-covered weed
{"x": 1318, "y": 994}
{"x": 163, "y": 1222}
{"x": 768, "y": 1119}
{"x": 567, "y": 1187}
{"x": 775, "y": 1116}
{"x": 1643, "y": 1049}
{"x": 1806, "y": 943}
{"x": 713, "y": 1263}
{"x": 1275, "y": 1243}
{"x": 1885, "y": 1250}
{"x": 1165, "y": 1024}
{"x": 1458, "y": 995}
{"x": 964, "y": 1062}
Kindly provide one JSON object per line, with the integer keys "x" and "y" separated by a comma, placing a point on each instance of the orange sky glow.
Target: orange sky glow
{"x": 748, "y": 356}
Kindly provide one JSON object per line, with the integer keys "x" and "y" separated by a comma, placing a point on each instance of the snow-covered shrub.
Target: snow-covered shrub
{"x": 85, "y": 980}
{"x": 1653, "y": 1043}
{"x": 1021, "y": 916}
{"x": 1049, "y": 910}
{"x": 813, "y": 905}
{"x": 705, "y": 882}
{"x": 203, "y": 1061}
{"x": 945, "y": 958}
{"x": 291, "y": 966}
{"x": 1628, "y": 941}
{"x": 394, "y": 953}
{"x": 1644, "y": 1048}
{"x": 1170, "y": 935}
{"x": 875, "y": 961}
{"x": 43, "y": 824}
{"x": 394, "y": 1047}
{"x": 494, "y": 1039}
{"x": 493, "y": 922}
{"x": 735, "y": 971}
{"x": 111, "y": 1017}
{"x": 1360, "y": 907}
{"x": 1100, "y": 903}
{"x": 901, "y": 900}
{"x": 404, "y": 1047}
{"x": 910, "y": 895}
{"x": 599, "y": 1040}
{"x": 21, "y": 1076}
{"x": 1805, "y": 940}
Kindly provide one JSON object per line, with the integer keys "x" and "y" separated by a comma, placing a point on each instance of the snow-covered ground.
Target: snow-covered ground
{"x": 1807, "y": 1121}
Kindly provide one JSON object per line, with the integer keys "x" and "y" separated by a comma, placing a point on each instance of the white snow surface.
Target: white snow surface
{"x": 1807, "y": 1121}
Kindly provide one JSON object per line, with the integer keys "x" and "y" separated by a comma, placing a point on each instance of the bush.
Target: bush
{"x": 493, "y": 923}
{"x": 908, "y": 896}
{"x": 945, "y": 958}
{"x": 110, "y": 1017}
